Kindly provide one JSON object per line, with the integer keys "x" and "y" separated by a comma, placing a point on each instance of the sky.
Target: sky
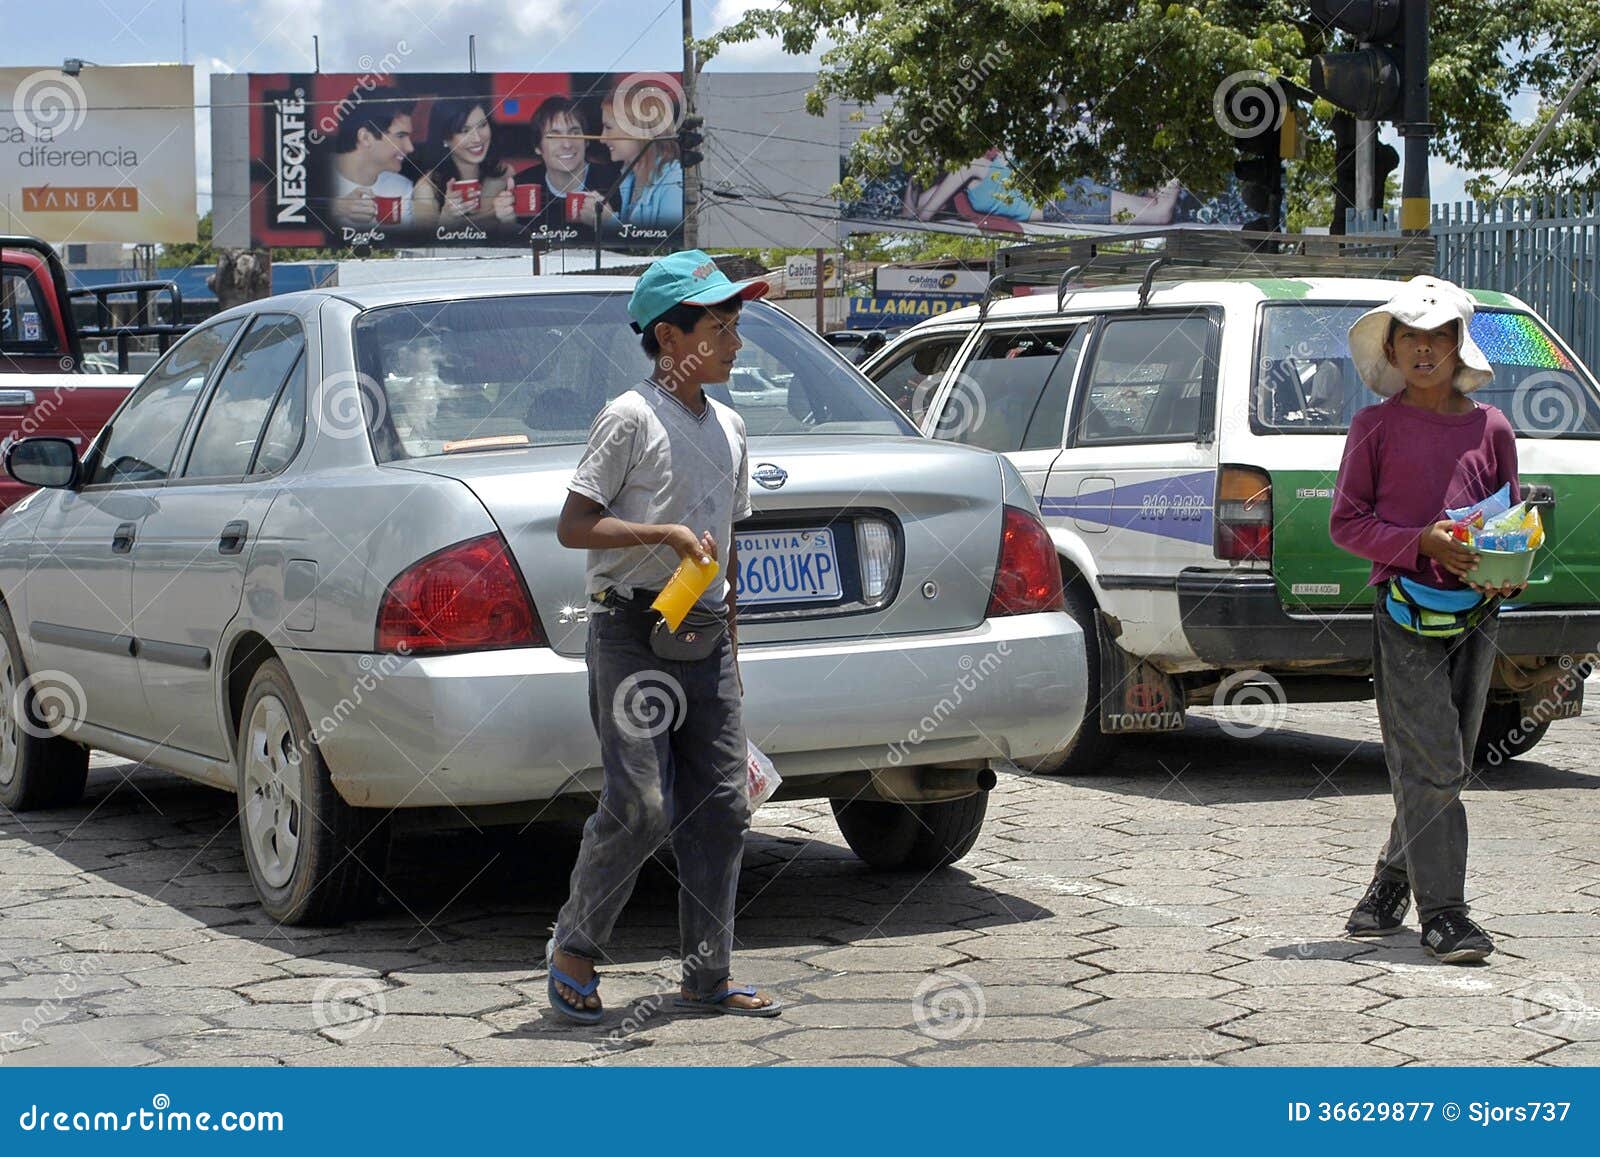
{"x": 512, "y": 35}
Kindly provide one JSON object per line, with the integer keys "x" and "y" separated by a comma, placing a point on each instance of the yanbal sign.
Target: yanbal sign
{"x": 107, "y": 155}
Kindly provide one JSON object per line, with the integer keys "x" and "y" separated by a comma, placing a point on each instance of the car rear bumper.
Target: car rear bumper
{"x": 511, "y": 726}
{"x": 1236, "y": 621}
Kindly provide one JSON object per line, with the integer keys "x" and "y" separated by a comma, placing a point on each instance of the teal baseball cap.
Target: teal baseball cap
{"x": 688, "y": 277}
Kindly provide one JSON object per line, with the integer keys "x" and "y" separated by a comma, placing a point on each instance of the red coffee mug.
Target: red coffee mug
{"x": 526, "y": 200}
{"x": 388, "y": 210}
{"x": 469, "y": 193}
{"x": 575, "y": 202}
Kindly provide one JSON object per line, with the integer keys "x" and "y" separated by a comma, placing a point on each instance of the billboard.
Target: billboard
{"x": 466, "y": 159}
{"x": 894, "y": 279}
{"x": 898, "y": 310}
{"x": 106, "y": 155}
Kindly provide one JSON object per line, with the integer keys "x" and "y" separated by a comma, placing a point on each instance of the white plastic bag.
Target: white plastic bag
{"x": 764, "y": 778}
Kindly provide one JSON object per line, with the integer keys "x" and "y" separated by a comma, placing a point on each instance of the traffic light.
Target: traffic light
{"x": 1259, "y": 168}
{"x": 690, "y": 138}
{"x": 1369, "y": 81}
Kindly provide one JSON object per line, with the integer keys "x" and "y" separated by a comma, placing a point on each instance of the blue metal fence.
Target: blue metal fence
{"x": 1545, "y": 250}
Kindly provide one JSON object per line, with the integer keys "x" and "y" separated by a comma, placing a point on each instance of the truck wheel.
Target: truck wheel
{"x": 1502, "y": 736}
{"x": 921, "y": 836}
{"x": 313, "y": 858}
{"x": 1091, "y": 749}
{"x": 38, "y": 769}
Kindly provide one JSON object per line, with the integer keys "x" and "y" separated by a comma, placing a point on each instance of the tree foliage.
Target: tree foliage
{"x": 1127, "y": 91}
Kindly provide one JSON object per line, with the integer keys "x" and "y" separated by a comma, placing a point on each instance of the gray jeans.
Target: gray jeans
{"x": 673, "y": 748}
{"x": 1430, "y": 696}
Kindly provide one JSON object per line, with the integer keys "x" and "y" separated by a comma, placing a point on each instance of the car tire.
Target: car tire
{"x": 1502, "y": 731}
{"x": 37, "y": 769}
{"x": 1092, "y": 750}
{"x": 920, "y": 837}
{"x": 313, "y": 858}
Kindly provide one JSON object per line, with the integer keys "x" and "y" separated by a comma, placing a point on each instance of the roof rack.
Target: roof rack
{"x": 1180, "y": 254}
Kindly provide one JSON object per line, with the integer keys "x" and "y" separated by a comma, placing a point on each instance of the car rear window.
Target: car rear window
{"x": 1305, "y": 381}
{"x": 539, "y": 367}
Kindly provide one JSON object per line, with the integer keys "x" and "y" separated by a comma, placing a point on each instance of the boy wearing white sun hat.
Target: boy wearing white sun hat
{"x": 1427, "y": 448}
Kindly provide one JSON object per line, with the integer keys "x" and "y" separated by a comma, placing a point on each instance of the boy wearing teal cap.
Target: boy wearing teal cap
{"x": 663, "y": 478}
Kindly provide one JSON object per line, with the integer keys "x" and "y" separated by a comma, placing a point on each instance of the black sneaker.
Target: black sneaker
{"x": 1382, "y": 910}
{"x": 1454, "y": 939}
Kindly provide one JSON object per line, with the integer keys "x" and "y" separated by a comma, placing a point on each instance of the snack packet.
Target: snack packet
{"x": 1479, "y": 512}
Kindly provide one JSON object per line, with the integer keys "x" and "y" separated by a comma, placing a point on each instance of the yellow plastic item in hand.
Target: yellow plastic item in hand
{"x": 1534, "y": 527}
{"x": 691, "y": 580}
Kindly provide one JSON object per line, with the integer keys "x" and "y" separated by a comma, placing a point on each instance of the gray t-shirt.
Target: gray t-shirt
{"x": 651, "y": 459}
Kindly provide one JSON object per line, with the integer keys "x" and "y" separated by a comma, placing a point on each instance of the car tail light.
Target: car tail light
{"x": 1028, "y": 577}
{"x": 1244, "y": 514}
{"x": 466, "y": 597}
{"x": 875, "y": 541}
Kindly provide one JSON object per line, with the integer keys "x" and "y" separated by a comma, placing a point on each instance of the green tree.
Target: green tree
{"x": 1133, "y": 92}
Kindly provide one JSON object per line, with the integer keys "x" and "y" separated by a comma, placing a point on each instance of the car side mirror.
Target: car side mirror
{"x": 48, "y": 462}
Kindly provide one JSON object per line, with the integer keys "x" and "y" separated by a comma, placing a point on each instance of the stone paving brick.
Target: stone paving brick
{"x": 1186, "y": 907}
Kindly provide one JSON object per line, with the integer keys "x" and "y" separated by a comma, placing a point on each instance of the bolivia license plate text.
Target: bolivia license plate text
{"x": 787, "y": 566}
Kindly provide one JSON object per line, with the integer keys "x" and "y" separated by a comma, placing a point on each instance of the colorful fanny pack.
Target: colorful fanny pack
{"x": 1434, "y": 613}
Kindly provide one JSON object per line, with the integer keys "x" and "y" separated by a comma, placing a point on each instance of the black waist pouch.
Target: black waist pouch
{"x": 696, "y": 637}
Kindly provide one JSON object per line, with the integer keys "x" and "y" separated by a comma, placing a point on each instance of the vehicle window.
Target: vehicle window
{"x": 286, "y": 427}
{"x": 912, "y": 375}
{"x": 994, "y": 398}
{"x": 237, "y": 410}
{"x": 24, "y": 322}
{"x": 1049, "y": 419}
{"x": 435, "y": 377}
{"x": 1147, "y": 381}
{"x": 1306, "y": 382}
{"x": 140, "y": 443}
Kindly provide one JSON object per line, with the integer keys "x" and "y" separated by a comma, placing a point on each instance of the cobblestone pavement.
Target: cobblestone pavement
{"x": 1186, "y": 909}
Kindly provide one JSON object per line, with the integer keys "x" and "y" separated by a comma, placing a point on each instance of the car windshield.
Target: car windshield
{"x": 536, "y": 369}
{"x": 1306, "y": 382}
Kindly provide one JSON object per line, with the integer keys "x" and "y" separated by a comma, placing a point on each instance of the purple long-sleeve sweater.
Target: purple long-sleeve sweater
{"x": 1402, "y": 468}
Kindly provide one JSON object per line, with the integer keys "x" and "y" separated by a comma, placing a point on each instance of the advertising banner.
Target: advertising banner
{"x": 800, "y": 272}
{"x": 895, "y": 279}
{"x": 384, "y": 159}
{"x": 106, "y": 155}
{"x": 898, "y": 310}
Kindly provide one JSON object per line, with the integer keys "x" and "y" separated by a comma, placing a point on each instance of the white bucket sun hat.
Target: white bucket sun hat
{"x": 1421, "y": 303}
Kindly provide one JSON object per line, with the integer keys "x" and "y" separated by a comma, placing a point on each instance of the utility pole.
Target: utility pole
{"x": 1415, "y": 197}
{"x": 1366, "y": 162}
{"x": 691, "y": 173}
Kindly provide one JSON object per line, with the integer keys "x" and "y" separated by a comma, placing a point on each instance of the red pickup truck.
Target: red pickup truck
{"x": 47, "y": 387}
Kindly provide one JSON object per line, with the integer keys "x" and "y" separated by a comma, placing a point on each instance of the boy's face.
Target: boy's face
{"x": 561, "y": 145}
{"x": 390, "y": 150}
{"x": 1427, "y": 357}
{"x": 706, "y": 353}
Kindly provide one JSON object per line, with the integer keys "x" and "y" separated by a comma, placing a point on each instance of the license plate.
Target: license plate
{"x": 787, "y": 566}
{"x": 1569, "y": 700}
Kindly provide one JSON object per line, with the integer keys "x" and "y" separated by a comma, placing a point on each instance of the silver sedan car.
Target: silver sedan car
{"x": 312, "y": 560}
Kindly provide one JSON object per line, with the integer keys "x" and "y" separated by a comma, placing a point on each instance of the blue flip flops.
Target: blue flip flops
{"x": 558, "y": 1002}
{"x": 716, "y": 1003}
